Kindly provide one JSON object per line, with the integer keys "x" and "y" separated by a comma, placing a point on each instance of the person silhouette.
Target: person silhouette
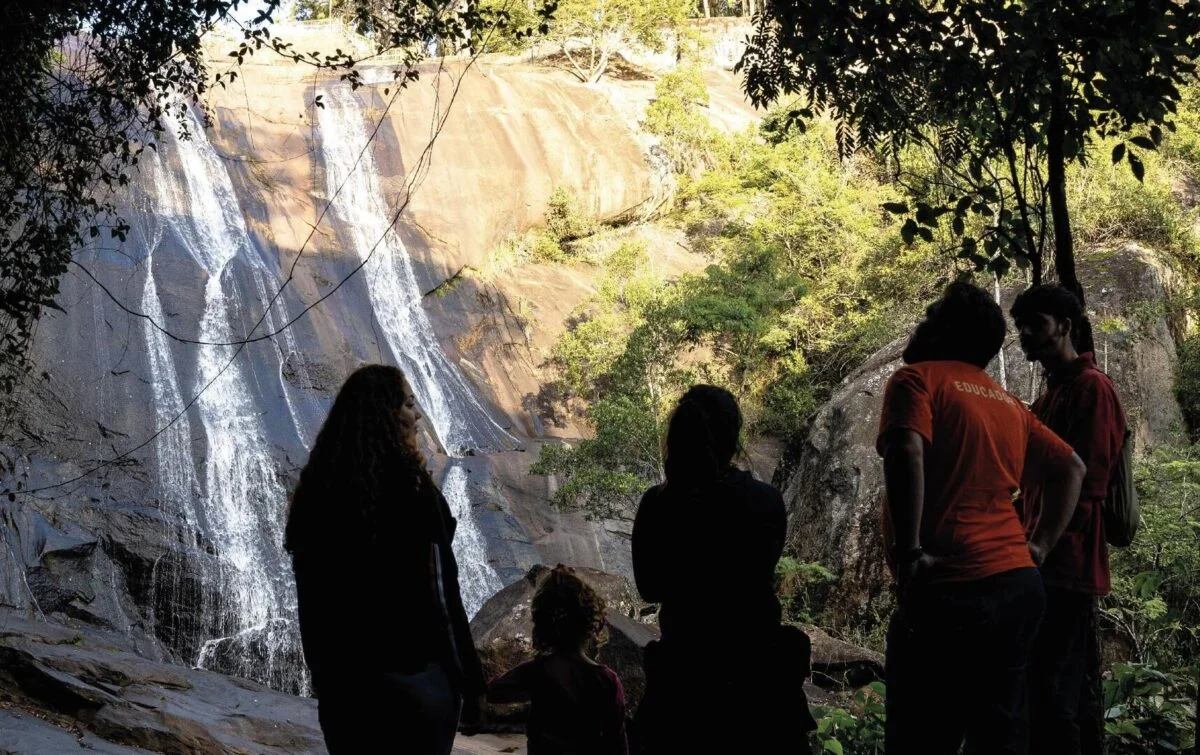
{"x": 577, "y": 705}
{"x": 381, "y": 618}
{"x": 725, "y": 676}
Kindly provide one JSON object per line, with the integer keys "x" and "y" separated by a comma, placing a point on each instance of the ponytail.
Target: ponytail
{"x": 1081, "y": 335}
{"x": 702, "y": 436}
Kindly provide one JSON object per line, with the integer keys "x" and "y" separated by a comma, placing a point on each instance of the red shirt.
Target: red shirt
{"x": 1081, "y": 405}
{"x": 980, "y": 442}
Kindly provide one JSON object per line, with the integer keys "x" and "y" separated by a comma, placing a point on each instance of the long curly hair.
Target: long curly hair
{"x": 364, "y": 464}
{"x": 567, "y": 613}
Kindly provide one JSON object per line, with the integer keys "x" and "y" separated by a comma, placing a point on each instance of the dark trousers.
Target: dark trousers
{"x": 1064, "y": 675}
{"x": 414, "y": 714}
{"x": 956, "y": 660}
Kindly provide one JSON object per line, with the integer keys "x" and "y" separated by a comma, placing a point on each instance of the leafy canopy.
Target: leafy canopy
{"x": 589, "y": 32}
{"x": 1003, "y": 95}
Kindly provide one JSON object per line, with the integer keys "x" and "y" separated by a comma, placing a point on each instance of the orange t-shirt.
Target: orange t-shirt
{"x": 980, "y": 440}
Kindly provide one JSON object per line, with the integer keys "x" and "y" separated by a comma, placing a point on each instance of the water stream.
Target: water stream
{"x": 459, "y": 420}
{"x": 243, "y": 502}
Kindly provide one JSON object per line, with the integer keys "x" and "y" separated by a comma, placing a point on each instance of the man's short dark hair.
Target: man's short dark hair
{"x": 969, "y": 323}
{"x": 1061, "y": 304}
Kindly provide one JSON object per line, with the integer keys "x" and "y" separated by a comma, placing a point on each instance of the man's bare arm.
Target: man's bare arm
{"x": 904, "y": 475}
{"x": 1059, "y": 497}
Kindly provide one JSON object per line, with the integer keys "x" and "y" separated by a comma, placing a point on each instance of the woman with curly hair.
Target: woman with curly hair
{"x": 381, "y": 619}
{"x": 577, "y": 705}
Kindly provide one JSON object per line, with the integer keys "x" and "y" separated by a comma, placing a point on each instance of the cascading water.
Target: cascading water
{"x": 243, "y": 502}
{"x": 458, "y": 419}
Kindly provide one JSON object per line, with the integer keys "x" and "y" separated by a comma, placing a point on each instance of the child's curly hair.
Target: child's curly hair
{"x": 567, "y": 613}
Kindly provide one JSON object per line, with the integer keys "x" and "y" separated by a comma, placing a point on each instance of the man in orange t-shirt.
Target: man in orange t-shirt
{"x": 955, "y": 447}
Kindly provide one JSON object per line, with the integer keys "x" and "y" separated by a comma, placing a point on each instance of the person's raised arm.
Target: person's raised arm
{"x": 1061, "y": 472}
{"x": 512, "y": 687}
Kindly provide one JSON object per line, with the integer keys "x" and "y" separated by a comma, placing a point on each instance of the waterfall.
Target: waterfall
{"x": 243, "y": 501}
{"x": 176, "y": 472}
{"x": 458, "y": 419}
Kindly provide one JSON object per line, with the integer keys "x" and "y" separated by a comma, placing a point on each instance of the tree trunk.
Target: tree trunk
{"x": 707, "y": 9}
{"x": 599, "y": 66}
{"x": 1064, "y": 252}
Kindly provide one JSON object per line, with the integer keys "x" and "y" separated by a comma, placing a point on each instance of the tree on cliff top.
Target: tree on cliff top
{"x": 1002, "y": 96}
{"x": 84, "y": 89}
{"x": 588, "y": 32}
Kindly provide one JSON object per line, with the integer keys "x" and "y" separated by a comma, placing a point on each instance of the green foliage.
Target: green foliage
{"x": 606, "y": 475}
{"x": 589, "y": 32}
{"x": 1015, "y": 93}
{"x": 565, "y": 219}
{"x": 854, "y": 730}
{"x": 1187, "y": 382}
{"x": 796, "y": 584}
{"x": 1111, "y": 205}
{"x": 1147, "y": 710}
{"x": 808, "y": 276}
{"x": 806, "y": 279}
{"x": 676, "y": 117}
{"x": 1182, "y": 146}
{"x": 566, "y": 223}
{"x": 620, "y": 355}
{"x": 525, "y": 23}
{"x": 1155, "y": 602}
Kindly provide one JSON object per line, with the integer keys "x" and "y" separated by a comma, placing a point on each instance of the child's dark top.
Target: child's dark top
{"x": 577, "y": 707}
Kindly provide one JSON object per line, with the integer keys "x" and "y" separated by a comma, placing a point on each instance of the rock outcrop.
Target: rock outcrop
{"x": 833, "y": 480}
{"x": 90, "y": 682}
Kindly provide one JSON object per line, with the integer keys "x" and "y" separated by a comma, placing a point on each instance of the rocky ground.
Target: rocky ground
{"x": 74, "y": 688}
{"x": 65, "y": 689}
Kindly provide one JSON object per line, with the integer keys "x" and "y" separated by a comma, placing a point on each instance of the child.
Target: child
{"x": 577, "y": 705}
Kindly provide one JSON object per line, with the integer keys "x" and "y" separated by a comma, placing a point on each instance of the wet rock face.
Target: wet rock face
{"x": 833, "y": 483}
{"x": 91, "y": 681}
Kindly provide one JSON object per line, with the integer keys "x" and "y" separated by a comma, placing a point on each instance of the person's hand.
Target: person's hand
{"x": 471, "y": 720}
{"x": 914, "y": 572}
{"x": 1038, "y": 552}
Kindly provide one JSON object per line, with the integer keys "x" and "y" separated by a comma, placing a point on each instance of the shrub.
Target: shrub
{"x": 796, "y": 583}
{"x": 1147, "y": 710}
{"x": 1155, "y": 601}
{"x": 1187, "y": 383}
{"x": 565, "y": 219}
{"x": 856, "y": 729}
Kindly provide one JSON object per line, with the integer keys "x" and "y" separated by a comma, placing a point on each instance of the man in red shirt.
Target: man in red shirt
{"x": 955, "y": 447}
{"x": 1081, "y": 406}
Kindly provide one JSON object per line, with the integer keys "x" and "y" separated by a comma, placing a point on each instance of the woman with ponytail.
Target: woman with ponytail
{"x": 724, "y": 676}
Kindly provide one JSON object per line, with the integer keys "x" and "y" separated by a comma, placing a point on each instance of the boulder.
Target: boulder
{"x": 90, "y": 682}
{"x": 832, "y": 479}
{"x": 838, "y": 665}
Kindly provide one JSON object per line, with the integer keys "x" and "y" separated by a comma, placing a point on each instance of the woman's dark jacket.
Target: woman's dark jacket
{"x": 708, "y": 555}
{"x": 372, "y": 604}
